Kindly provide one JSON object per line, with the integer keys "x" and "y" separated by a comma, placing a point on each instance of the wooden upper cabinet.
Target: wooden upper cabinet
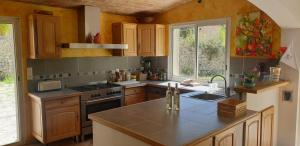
{"x": 44, "y": 33}
{"x": 151, "y": 40}
{"x": 252, "y": 131}
{"x": 230, "y": 137}
{"x": 125, "y": 33}
{"x": 160, "y": 33}
{"x": 267, "y": 127}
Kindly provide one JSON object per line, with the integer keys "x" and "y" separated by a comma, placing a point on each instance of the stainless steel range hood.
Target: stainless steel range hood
{"x": 89, "y": 24}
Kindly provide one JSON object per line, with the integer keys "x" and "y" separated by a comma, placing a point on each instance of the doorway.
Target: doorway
{"x": 10, "y": 73}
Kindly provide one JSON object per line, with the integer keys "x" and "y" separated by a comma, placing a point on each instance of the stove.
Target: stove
{"x": 96, "y": 98}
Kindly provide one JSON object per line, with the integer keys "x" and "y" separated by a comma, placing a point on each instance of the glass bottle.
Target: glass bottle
{"x": 176, "y": 98}
{"x": 169, "y": 97}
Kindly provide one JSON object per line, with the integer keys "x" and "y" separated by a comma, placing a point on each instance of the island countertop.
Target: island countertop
{"x": 151, "y": 123}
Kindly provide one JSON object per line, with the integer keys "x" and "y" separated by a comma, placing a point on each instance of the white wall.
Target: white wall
{"x": 285, "y": 13}
{"x": 289, "y": 111}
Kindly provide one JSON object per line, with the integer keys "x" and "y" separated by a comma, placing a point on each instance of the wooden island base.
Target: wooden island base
{"x": 196, "y": 124}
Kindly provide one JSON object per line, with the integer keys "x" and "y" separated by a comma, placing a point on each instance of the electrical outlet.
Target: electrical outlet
{"x": 29, "y": 73}
{"x": 287, "y": 95}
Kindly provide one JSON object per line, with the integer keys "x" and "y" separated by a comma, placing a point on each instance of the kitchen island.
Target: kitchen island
{"x": 149, "y": 123}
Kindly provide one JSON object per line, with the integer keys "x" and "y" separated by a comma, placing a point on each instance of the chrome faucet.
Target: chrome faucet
{"x": 226, "y": 90}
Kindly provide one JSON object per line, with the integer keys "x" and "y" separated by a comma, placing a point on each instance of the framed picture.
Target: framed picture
{"x": 254, "y": 35}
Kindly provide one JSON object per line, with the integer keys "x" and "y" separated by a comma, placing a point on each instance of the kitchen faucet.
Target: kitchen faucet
{"x": 227, "y": 90}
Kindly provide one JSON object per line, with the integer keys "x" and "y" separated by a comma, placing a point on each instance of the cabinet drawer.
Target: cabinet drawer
{"x": 153, "y": 96}
{"x": 136, "y": 90}
{"x": 135, "y": 98}
{"x": 68, "y": 101}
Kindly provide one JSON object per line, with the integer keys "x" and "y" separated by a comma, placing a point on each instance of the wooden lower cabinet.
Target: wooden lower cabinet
{"x": 155, "y": 92}
{"x": 207, "y": 142}
{"x": 62, "y": 122}
{"x": 55, "y": 119}
{"x": 230, "y": 137}
{"x": 134, "y": 95}
{"x": 267, "y": 126}
{"x": 252, "y": 131}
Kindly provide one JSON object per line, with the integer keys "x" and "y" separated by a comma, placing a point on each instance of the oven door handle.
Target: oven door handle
{"x": 101, "y": 100}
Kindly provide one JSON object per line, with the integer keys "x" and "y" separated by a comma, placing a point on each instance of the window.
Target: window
{"x": 200, "y": 50}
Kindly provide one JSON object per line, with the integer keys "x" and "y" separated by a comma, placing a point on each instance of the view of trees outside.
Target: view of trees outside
{"x": 184, "y": 53}
{"x": 8, "y": 105}
{"x": 211, "y": 53}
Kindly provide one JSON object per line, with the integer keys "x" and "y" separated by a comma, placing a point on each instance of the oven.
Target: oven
{"x": 96, "y": 105}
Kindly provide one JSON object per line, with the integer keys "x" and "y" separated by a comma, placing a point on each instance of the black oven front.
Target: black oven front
{"x": 96, "y": 105}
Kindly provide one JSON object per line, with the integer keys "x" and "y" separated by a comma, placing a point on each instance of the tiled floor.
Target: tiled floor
{"x": 8, "y": 126}
{"x": 67, "y": 142}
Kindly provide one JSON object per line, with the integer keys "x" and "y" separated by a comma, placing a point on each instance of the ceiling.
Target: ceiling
{"x": 127, "y": 7}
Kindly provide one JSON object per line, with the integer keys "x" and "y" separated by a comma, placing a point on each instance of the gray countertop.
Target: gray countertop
{"x": 50, "y": 95}
{"x": 164, "y": 84}
{"x": 197, "y": 119}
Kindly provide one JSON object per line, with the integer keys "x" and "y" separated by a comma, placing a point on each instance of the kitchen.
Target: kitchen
{"x": 140, "y": 57}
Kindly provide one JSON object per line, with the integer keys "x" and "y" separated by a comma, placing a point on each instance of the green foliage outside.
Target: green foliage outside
{"x": 212, "y": 48}
{"x": 8, "y": 80}
{"x": 4, "y": 29}
{"x": 211, "y": 51}
{"x": 187, "y": 51}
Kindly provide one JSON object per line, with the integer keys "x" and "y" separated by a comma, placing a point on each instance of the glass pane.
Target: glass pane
{"x": 211, "y": 51}
{"x": 8, "y": 89}
{"x": 184, "y": 51}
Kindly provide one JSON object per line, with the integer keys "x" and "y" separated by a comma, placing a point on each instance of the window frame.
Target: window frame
{"x": 197, "y": 24}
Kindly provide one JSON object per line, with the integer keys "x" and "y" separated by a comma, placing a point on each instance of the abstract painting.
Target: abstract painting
{"x": 254, "y": 35}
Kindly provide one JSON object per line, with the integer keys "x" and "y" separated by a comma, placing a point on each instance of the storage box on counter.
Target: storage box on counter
{"x": 141, "y": 76}
{"x": 232, "y": 107}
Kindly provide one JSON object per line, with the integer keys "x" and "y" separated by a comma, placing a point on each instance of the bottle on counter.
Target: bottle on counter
{"x": 169, "y": 97}
{"x": 176, "y": 95}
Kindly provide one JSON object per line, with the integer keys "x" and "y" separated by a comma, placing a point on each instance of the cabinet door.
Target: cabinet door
{"x": 47, "y": 36}
{"x": 130, "y": 38}
{"x": 155, "y": 93}
{"x": 62, "y": 123}
{"x": 134, "y": 98}
{"x": 267, "y": 123}
{"x": 230, "y": 137}
{"x": 207, "y": 142}
{"x": 252, "y": 131}
{"x": 160, "y": 39}
{"x": 146, "y": 40}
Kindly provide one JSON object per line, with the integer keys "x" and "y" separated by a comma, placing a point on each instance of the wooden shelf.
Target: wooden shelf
{"x": 261, "y": 86}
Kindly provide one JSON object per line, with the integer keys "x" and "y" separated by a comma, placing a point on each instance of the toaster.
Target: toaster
{"x": 49, "y": 85}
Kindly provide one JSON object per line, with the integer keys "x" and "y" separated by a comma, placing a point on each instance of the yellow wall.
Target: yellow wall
{"x": 106, "y": 20}
{"x": 213, "y": 9}
{"x": 69, "y": 34}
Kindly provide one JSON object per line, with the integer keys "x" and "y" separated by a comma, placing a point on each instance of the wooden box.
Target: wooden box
{"x": 232, "y": 107}
{"x": 141, "y": 76}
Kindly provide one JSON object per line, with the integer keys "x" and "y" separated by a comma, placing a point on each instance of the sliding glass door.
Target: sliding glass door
{"x": 9, "y": 81}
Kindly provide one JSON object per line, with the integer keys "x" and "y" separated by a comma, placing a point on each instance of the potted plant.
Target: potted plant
{"x": 249, "y": 80}
{"x": 4, "y": 29}
{"x": 275, "y": 71}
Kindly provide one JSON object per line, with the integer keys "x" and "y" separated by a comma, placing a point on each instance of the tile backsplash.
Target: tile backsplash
{"x": 78, "y": 71}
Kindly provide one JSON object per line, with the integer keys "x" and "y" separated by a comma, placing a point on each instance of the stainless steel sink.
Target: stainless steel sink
{"x": 208, "y": 96}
